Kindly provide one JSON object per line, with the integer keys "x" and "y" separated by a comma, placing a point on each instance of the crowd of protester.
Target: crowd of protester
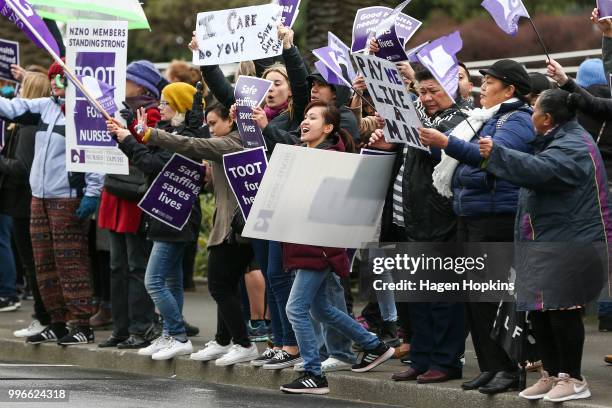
{"x": 527, "y": 160}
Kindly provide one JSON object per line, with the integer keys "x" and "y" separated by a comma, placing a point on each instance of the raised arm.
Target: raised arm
{"x": 211, "y": 149}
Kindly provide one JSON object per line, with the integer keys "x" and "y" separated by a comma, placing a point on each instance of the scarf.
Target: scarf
{"x": 443, "y": 172}
{"x": 271, "y": 113}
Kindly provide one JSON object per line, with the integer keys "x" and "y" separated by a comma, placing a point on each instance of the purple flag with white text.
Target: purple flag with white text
{"x": 439, "y": 57}
{"x": 327, "y": 73}
{"x": 506, "y": 13}
{"x": 337, "y": 59}
{"x": 20, "y": 13}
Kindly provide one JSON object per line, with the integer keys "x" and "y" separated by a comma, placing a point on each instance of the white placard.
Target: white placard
{"x": 391, "y": 99}
{"x": 96, "y": 49}
{"x": 320, "y": 197}
{"x": 234, "y": 35}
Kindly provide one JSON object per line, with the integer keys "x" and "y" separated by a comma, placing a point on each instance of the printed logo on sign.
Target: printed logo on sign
{"x": 77, "y": 156}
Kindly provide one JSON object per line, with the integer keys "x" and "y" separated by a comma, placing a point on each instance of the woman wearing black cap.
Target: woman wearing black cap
{"x": 484, "y": 204}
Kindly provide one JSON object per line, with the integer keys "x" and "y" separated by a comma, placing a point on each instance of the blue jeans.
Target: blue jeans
{"x": 8, "y": 272}
{"x": 333, "y": 343}
{"x": 280, "y": 286}
{"x": 309, "y": 296}
{"x": 164, "y": 282}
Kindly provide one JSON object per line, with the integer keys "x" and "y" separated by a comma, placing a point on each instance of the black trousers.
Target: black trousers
{"x": 227, "y": 263}
{"x": 23, "y": 243}
{"x": 481, "y": 315}
{"x": 191, "y": 249}
{"x": 560, "y": 340}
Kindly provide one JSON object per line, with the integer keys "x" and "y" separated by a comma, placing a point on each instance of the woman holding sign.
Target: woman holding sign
{"x": 163, "y": 277}
{"x": 484, "y": 204}
{"x": 315, "y": 269}
{"x": 229, "y": 255}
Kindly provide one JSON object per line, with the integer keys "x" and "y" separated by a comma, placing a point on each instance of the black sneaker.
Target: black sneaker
{"x": 373, "y": 358}
{"x": 191, "y": 330}
{"x": 50, "y": 334}
{"x": 307, "y": 384}
{"x": 80, "y": 335}
{"x": 266, "y": 356}
{"x": 9, "y": 305}
{"x": 281, "y": 360}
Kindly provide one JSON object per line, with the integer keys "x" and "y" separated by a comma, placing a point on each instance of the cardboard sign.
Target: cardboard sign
{"x": 9, "y": 54}
{"x": 320, "y": 197}
{"x": 244, "y": 171}
{"x": 235, "y": 35}
{"x": 391, "y": 99}
{"x": 250, "y": 93}
{"x": 173, "y": 192}
{"x": 97, "y": 51}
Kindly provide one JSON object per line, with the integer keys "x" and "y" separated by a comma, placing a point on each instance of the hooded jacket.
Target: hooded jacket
{"x": 49, "y": 177}
{"x": 563, "y": 199}
{"x": 316, "y": 258}
{"x": 476, "y": 192}
{"x": 15, "y": 165}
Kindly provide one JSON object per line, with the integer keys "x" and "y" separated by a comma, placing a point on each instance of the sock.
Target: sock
{"x": 181, "y": 337}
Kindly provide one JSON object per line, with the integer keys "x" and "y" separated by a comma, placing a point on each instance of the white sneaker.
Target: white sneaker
{"x": 238, "y": 354}
{"x": 32, "y": 330}
{"x": 159, "y": 343}
{"x": 211, "y": 351}
{"x": 333, "y": 364}
{"x": 567, "y": 388}
{"x": 175, "y": 348}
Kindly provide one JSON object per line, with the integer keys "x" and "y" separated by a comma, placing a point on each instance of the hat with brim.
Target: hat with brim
{"x": 511, "y": 73}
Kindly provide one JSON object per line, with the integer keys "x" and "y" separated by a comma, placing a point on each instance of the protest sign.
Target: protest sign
{"x": 391, "y": 99}
{"x": 234, "y": 35}
{"x": 173, "y": 192}
{"x": 320, "y": 197}
{"x": 250, "y": 93}
{"x": 327, "y": 73}
{"x": 244, "y": 171}
{"x": 291, "y": 9}
{"x": 20, "y": 13}
{"x": 439, "y": 57}
{"x": 506, "y": 13}
{"x": 336, "y": 57}
{"x": 605, "y": 9}
{"x": 9, "y": 54}
{"x": 370, "y": 152}
{"x": 393, "y": 30}
{"x": 97, "y": 51}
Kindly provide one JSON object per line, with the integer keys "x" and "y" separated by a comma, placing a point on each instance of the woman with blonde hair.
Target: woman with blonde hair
{"x": 15, "y": 197}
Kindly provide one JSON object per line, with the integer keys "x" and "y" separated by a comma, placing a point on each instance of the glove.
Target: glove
{"x": 88, "y": 206}
{"x": 127, "y": 114}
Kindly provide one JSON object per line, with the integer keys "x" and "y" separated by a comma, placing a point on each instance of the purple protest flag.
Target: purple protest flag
{"x": 103, "y": 92}
{"x": 244, "y": 171}
{"x": 174, "y": 191}
{"x": 605, "y": 9}
{"x": 411, "y": 54}
{"x": 250, "y": 93}
{"x": 439, "y": 57}
{"x": 290, "y": 11}
{"x": 23, "y": 16}
{"x": 327, "y": 73}
{"x": 506, "y": 13}
{"x": 342, "y": 57}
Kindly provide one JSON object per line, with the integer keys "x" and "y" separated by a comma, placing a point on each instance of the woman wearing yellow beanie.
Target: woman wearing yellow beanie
{"x": 176, "y": 99}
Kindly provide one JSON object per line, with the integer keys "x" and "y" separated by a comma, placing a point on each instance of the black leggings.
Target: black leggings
{"x": 560, "y": 339}
{"x": 227, "y": 263}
